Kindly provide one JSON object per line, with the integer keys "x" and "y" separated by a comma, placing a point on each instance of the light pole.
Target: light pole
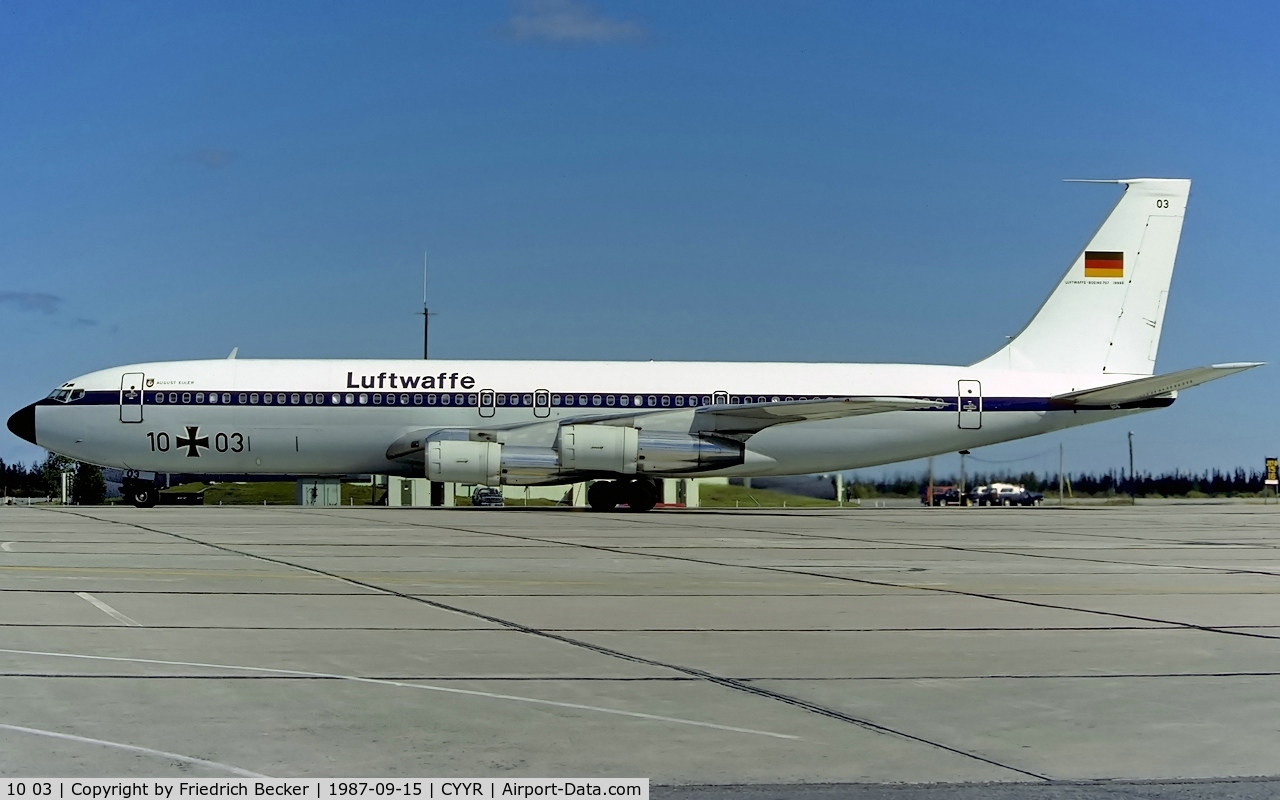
{"x": 1061, "y": 496}
{"x": 1133, "y": 497}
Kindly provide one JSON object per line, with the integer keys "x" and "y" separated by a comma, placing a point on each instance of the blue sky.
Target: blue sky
{"x": 717, "y": 180}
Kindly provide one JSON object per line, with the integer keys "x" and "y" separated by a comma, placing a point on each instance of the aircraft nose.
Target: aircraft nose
{"x": 23, "y": 423}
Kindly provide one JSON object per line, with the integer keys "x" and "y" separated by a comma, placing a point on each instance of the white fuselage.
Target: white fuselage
{"x": 338, "y": 417}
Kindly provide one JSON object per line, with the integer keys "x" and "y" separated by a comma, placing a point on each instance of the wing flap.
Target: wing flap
{"x": 1136, "y": 391}
{"x": 755, "y": 417}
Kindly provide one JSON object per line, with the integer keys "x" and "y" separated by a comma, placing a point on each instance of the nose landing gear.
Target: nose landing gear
{"x": 142, "y": 494}
{"x": 638, "y": 495}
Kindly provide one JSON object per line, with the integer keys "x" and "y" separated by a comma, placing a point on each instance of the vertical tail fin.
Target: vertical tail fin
{"x": 1106, "y": 314}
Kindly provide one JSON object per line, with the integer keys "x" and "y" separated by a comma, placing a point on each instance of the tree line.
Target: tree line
{"x": 88, "y": 486}
{"x": 1218, "y": 483}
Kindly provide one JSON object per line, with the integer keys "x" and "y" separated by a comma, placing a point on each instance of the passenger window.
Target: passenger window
{"x": 666, "y": 401}
{"x": 293, "y": 399}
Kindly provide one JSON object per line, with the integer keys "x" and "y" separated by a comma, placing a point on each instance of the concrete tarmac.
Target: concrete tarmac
{"x": 898, "y": 653}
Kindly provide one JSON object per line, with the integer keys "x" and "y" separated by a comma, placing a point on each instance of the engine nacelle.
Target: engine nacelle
{"x": 599, "y": 448}
{"x": 607, "y": 448}
{"x": 453, "y": 461}
{"x": 679, "y": 452}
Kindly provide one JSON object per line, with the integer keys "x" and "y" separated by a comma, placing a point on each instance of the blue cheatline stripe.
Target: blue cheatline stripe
{"x": 594, "y": 400}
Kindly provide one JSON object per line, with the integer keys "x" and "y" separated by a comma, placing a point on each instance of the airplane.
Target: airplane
{"x": 1086, "y": 356}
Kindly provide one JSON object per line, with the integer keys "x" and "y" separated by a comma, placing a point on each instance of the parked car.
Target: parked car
{"x": 486, "y": 496}
{"x": 1005, "y": 494}
{"x": 942, "y": 496}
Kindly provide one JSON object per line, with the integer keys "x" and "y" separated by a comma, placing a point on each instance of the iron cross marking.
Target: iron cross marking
{"x": 191, "y": 442}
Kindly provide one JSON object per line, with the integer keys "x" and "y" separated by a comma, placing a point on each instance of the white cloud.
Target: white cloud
{"x": 568, "y": 22}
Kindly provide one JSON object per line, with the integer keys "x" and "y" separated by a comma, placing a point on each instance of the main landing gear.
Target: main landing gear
{"x": 142, "y": 494}
{"x": 638, "y": 495}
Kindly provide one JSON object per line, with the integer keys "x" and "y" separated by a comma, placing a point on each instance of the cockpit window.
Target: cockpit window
{"x": 66, "y": 394}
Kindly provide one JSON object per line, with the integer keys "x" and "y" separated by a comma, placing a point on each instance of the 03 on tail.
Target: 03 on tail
{"x": 1087, "y": 355}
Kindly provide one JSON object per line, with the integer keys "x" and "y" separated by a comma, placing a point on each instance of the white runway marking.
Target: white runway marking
{"x": 244, "y": 773}
{"x": 108, "y": 610}
{"x": 402, "y": 684}
{"x": 7, "y": 547}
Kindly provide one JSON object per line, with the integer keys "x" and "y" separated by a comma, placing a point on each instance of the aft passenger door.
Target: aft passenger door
{"x": 969, "y": 401}
{"x": 131, "y": 393}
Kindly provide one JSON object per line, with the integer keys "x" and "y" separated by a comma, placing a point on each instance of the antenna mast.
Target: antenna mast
{"x": 426, "y": 315}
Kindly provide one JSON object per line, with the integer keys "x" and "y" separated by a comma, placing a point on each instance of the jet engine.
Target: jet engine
{"x": 580, "y": 449}
{"x": 606, "y": 448}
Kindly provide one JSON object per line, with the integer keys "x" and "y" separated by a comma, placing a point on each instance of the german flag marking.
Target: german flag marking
{"x": 1103, "y": 264}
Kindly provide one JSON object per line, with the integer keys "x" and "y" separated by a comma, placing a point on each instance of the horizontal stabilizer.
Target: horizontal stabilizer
{"x": 1146, "y": 388}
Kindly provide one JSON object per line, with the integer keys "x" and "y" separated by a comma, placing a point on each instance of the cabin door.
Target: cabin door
{"x": 970, "y": 404}
{"x": 131, "y": 397}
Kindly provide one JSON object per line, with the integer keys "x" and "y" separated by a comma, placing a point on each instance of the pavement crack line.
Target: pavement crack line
{"x": 1229, "y": 631}
{"x": 709, "y": 677}
{"x": 988, "y": 550}
{"x": 295, "y": 673}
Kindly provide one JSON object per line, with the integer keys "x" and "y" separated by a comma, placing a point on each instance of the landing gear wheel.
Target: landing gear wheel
{"x": 640, "y": 495}
{"x": 602, "y": 496}
{"x": 143, "y": 496}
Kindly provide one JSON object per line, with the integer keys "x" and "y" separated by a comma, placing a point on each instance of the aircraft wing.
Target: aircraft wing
{"x": 740, "y": 420}
{"x": 1136, "y": 391}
